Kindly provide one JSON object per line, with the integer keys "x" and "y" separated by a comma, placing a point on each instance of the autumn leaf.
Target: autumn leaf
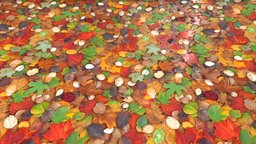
{"x": 11, "y": 137}
{"x": 173, "y": 105}
{"x": 189, "y": 136}
{"x": 59, "y": 132}
{"x": 136, "y": 137}
{"x": 226, "y": 130}
{"x": 24, "y": 105}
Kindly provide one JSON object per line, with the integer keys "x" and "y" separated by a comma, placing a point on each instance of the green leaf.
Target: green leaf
{"x": 190, "y": 108}
{"x": 85, "y": 28}
{"x": 43, "y": 55}
{"x": 66, "y": 70}
{"x": 158, "y": 136}
{"x": 67, "y": 14}
{"x": 44, "y": 45}
{"x": 6, "y": 72}
{"x": 215, "y": 113}
{"x": 37, "y": 109}
{"x": 254, "y": 48}
{"x": 200, "y": 38}
{"x": 235, "y": 113}
{"x": 172, "y": 87}
{"x": 128, "y": 92}
{"x": 96, "y": 41}
{"x": 246, "y": 137}
{"x": 186, "y": 82}
{"x": 181, "y": 27}
{"x": 142, "y": 121}
{"x": 153, "y": 49}
{"x": 89, "y": 52}
{"x": 60, "y": 115}
{"x": 163, "y": 98}
{"x": 79, "y": 116}
{"x": 38, "y": 86}
{"x": 74, "y": 138}
{"x": 199, "y": 49}
{"x": 54, "y": 82}
{"x": 2, "y": 52}
{"x": 134, "y": 107}
{"x": 19, "y": 96}
{"x": 136, "y": 77}
{"x": 72, "y": 25}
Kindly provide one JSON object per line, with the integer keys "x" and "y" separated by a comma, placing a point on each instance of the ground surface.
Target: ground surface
{"x": 127, "y": 72}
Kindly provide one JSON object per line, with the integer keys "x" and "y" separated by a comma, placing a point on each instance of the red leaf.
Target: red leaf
{"x": 24, "y": 105}
{"x": 252, "y": 16}
{"x": 175, "y": 46}
{"x": 86, "y": 35}
{"x": 75, "y": 59}
{"x": 18, "y": 136}
{"x": 133, "y": 134}
{"x": 237, "y": 103}
{"x": 210, "y": 95}
{"x": 246, "y": 95}
{"x": 250, "y": 65}
{"x": 189, "y": 136}
{"x": 101, "y": 98}
{"x": 173, "y": 105}
{"x": 190, "y": 58}
{"x": 87, "y": 107}
{"x": 125, "y": 71}
{"x": 186, "y": 34}
{"x": 59, "y": 132}
{"x": 69, "y": 45}
{"x": 226, "y": 130}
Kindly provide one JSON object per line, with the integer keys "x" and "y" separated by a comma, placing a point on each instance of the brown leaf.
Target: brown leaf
{"x": 46, "y": 64}
{"x": 154, "y": 114}
{"x": 108, "y": 118}
{"x": 166, "y": 66}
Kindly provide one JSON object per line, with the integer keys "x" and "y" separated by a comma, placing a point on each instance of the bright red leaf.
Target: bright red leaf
{"x": 24, "y": 105}
{"x": 173, "y": 105}
{"x": 87, "y": 107}
{"x": 75, "y": 59}
{"x": 86, "y": 35}
{"x": 189, "y": 136}
{"x": 11, "y": 137}
{"x": 226, "y": 130}
{"x": 237, "y": 103}
{"x": 133, "y": 134}
{"x": 59, "y": 132}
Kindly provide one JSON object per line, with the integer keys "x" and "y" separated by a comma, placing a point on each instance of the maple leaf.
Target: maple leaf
{"x": 60, "y": 115}
{"x": 163, "y": 98}
{"x": 24, "y": 105}
{"x": 189, "y": 136}
{"x": 44, "y": 45}
{"x": 38, "y": 87}
{"x": 226, "y": 130}
{"x": 173, "y": 105}
{"x": 59, "y": 132}
{"x": 172, "y": 87}
{"x": 11, "y": 137}
{"x": 153, "y": 49}
{"x": 136, "y": 137}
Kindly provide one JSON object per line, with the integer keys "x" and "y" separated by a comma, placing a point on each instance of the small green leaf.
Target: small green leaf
{"x": 60, "y": 115}
{"x": 158, "y": 136}
{"x": 44, "y": 45}
{"x": 246, "y": 137}
{"x": 134, "y": 107}
{"x": 142, "y": 121}
{"x": 85, "y": 28}
{"x": 6, "y": 72}
{"x": 153, "y": 49}
{"x": 136, "y": 77}
{"x": 181, "y": 27}
{"x": 199, "y": 49}
{"x": 191, "y": 108}
{"x": 79, "y": 116}
{"x": 54, "y": 82}
{"x": 215, "y": 113}
{"x": 37, "y": 109}
{"x": 74, "y": 138}
{"x": 235, "y": 113}
{"x": 163, "y": 98}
